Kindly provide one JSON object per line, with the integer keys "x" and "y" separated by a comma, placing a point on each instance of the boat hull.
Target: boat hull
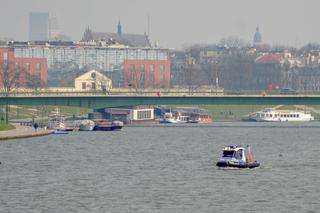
{"x": 226, "y": 164}
{"x": 60, "y": 132}
{"x": 273, "y": 115}
{"x": 107, "y": 128}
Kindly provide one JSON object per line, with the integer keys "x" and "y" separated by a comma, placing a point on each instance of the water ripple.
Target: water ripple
{"x": 162, "y": 169}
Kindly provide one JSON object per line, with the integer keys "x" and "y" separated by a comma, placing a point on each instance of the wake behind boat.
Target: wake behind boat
{"x": 237, "y": 157}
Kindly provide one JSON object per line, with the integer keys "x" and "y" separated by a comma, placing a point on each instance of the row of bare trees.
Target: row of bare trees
{"x": 10, "y": 80}
{"x": 232, "y": 66}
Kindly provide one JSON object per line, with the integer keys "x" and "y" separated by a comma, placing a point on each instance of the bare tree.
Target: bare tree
{"x": 309, "y": 48}
{"x": 8, "y": 81}
{"x": 34, "y": 81}
{"x": 193, "y": 77}
{"x": 233, "y": 42}
{"x": 7, "y": 77}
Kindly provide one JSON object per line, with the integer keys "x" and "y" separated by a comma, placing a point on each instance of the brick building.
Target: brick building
{"x": 27, "y": 71}
{"x": 147, "y": 73}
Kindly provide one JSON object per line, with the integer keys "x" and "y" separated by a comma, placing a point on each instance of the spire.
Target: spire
{"x": 87, "y": 35}
{"x": 257, "y": 39}
{"x": 119, "y": 28}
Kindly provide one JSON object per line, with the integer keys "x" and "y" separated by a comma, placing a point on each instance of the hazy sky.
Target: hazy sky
{"x": 173, "y": 22}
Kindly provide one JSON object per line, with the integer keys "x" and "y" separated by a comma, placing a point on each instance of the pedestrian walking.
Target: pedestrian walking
{"x": 35, "y": 126}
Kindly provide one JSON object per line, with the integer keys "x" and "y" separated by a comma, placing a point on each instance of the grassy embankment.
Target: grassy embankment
{"x": 4, "y": 126}
{"x": 38, "y": 112}
{"x": 231, "y": 112}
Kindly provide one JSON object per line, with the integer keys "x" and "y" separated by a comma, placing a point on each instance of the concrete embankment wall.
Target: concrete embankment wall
{"x": 23, "y": 132}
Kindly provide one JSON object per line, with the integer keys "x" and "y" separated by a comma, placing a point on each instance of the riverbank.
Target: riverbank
{"x": 23, "y": 132}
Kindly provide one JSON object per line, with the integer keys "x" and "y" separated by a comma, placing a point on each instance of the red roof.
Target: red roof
{"x": 273, "y": 58}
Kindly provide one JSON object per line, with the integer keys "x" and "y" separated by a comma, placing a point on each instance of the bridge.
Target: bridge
{"x": 105, "y": 101}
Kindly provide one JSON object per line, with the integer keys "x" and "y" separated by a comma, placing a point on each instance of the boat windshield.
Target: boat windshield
{"x": 228, "y": 154}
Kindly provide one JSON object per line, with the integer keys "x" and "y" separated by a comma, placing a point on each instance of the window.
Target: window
{"x": 132, "y": 69}
{"x": 144, "y": 115}
{"x": 151, "y": 75}
{"x": 84, "y": 85}
{"x": 5, "y": 56}
{"x": 142, "y": 74}
{"x": 93, "y": 85}
{"x": 228, "y": 154}
{"x": 17, "y": 72}
{"x": 238, "y": 154}
{"x": 162, "y": 74}
{"x": 93, "y": 75}
{"x": 27, "y": 67}
{"x": 38, "y": 68}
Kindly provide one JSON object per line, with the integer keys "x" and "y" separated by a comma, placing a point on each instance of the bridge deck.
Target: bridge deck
{"x": 103, "y": 101}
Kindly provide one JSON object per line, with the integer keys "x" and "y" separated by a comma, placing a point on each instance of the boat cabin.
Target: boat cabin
{"x": 234, "y": 152}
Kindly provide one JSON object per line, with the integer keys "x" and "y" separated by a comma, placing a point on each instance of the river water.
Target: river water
{"x": 163, "y": 169}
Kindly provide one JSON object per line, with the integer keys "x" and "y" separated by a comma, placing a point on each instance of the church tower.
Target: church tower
{"x": 87, "y": 35}
{"x": 257, "y": 39}
{"x": 119, "y": 32}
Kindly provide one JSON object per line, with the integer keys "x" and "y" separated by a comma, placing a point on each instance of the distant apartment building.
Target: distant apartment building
{"x": 28, "y": 72}
{"x": 106, "y": 58}
{"x": 38, "y": 26}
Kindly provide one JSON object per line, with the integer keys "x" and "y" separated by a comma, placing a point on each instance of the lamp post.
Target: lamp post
{"x": 217, "y": 77}
{"x": 217, "y": 84}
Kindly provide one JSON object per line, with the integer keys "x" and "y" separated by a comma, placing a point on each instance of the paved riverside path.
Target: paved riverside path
{"x": 23, "y": 132}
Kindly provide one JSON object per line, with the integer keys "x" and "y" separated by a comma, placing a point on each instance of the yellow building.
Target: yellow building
{"x": 92, "y": 80}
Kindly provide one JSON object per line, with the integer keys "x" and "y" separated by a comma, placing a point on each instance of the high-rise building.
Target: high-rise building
{"x": 54, "y": 30}
{"x": 38, "y": 26}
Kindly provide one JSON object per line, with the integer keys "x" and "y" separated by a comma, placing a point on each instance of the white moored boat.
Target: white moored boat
{"x": 169, "y": 118}
{"x": 86, "y": 125}
{"x": 281, "y": 115}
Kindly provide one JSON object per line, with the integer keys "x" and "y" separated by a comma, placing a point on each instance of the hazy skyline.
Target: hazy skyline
{"x": 173, "y": 23}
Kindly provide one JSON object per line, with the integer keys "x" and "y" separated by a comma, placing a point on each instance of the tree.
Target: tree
{"x": 8, "y": 81}
{"x": 34, "y": 81}
{"x": 193, "y": 77}
{"x": 233, "y": 42}
{"x": 308, "y": 48}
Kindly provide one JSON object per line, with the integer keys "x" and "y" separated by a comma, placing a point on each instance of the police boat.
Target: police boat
{"x": 237, "y": 157}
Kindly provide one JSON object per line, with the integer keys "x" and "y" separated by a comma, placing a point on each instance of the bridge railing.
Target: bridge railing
{"x": 116, "y": 93}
